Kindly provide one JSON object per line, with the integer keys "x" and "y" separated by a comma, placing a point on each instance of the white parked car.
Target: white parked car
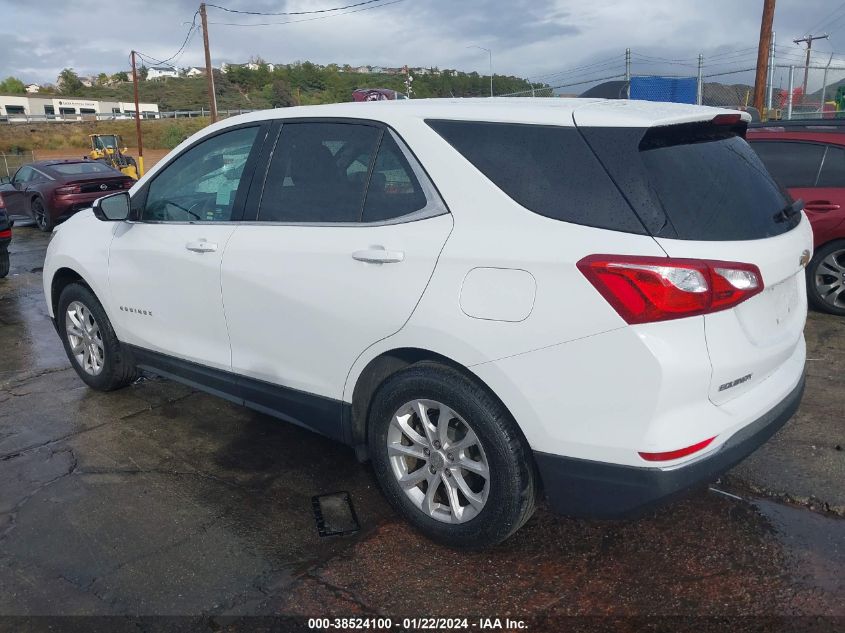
{"x": 597, "y": 301}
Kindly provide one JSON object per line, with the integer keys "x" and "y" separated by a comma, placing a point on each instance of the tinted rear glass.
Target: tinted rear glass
{"x": 74, "y": 169}
{"x": 549, "y": 170}
{"x": 792, "y": 164}
{"x": 693, "y": 181}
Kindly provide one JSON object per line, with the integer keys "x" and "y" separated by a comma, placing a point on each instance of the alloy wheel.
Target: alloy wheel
{"x": 40, "y": 214}
{"x": 85, "y": 338}
{"x": 830, "y": 279}
{"x": 438, "y": 461}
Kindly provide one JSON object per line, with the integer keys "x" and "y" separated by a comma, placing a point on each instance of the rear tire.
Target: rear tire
{"x": 42, "y": 215}
{"x": 4, "y": 262}
{"x": 826, "y": 279}
{"x": 470, "y": 508}
{"x": 90, "y": 342}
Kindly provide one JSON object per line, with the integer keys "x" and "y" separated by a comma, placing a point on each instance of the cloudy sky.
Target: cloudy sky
{"x": 527, "y": 37}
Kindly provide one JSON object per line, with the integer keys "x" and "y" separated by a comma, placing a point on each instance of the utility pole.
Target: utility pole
{"x": 699, "y": 84}
{"x": 763, "y": 54}
{"x": 771, "y": 82}
{"x": 209, "y": 71}
{"x": 809, "y": 41}
{"x": 627, "y": 64}
{"x": 138, "y": 118}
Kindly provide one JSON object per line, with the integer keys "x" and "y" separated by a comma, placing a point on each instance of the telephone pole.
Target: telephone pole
{"x": 212, "y": 97}
{"x": 763, "y": 54}
{"x": 138, "y": 118}
{"x": 809, "y": 41}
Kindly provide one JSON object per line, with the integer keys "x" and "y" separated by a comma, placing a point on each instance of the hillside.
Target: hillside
{"x": 158, "y": 134}
{"x": 294, "y": 84}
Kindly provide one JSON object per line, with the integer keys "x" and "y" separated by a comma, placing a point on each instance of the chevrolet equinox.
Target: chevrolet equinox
{"x": 493, "y": 300}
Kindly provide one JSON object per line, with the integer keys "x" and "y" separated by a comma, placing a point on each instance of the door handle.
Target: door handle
{"x": 201, "y": 246}
{"x": 821, "y": 205}
{"x": 378, "y": 255}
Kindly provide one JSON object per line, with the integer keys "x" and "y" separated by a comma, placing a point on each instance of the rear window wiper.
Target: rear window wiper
{"x": 789, "y": 211}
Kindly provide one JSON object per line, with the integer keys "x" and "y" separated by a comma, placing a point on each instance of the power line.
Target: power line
{"x": 187, "y": 39}
{"x": 575, "y": 70}
{"x": 348, "y": 6}
{"x": 826, "y": 19}
{"x": 320, "y": 17}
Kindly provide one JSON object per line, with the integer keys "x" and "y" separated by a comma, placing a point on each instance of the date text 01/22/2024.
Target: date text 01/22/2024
{"x": 416, "y": 624}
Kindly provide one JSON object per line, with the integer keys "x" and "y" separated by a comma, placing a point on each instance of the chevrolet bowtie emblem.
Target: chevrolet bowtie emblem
{"x": 804, "y": 259}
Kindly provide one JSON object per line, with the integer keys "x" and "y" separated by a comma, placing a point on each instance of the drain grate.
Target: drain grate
{"x": 334, "y": 514}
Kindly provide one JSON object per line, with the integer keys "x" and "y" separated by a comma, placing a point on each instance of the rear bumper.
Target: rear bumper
{"x": 591, "y": 489}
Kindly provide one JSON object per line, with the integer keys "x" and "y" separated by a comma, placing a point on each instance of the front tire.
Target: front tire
{"x": 90, "y": 342}
{"x": 450, "y": 458}
{"x": 826, "y": 278}
{"x": 42, "y": 215}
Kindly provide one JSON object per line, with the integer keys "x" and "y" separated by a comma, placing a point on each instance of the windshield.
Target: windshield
{"x": 106, "y": 141}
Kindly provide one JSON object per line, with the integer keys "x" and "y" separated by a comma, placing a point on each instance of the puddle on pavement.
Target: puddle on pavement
{"x": 814, "y": 545}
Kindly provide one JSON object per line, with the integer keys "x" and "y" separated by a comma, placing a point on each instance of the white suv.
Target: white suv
{"x": 598, "y": 300}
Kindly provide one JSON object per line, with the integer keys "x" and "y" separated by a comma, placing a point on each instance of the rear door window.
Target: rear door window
{"x": 832, "y": 174}
{"x": 549, "y": 170}
{"x": 318, "y": 173}
{"x": 792, "y": 164}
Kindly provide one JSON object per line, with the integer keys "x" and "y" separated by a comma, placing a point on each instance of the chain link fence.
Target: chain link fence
{"x": 10, "y": 163}
{"x": 725, "y": 81}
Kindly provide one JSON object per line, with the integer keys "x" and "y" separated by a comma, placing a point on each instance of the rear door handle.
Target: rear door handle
{"x": 378, "y": 255}
{"x": 821, "y": 205}
{"x": 201, "y": 246}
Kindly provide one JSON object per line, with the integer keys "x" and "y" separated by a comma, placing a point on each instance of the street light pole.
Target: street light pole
{"x": 490, "y": 54}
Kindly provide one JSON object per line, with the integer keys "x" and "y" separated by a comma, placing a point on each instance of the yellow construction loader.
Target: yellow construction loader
{"x": 106, "y": 149}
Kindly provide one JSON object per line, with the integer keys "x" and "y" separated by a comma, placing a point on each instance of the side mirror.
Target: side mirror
{"x": 113, "y": 208}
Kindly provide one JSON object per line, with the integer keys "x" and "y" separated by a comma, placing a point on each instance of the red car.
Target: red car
{"x": 807, "y": 158}
{"x": 50, "y": 191}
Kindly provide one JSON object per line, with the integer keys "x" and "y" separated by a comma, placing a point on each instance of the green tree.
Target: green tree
{"x": 143, "y": 71}
{"x": 102, "y": 79}
{"x": 121, "y": 76}
{"x": 12, "y": 86}
{"x": 68, "y": 82}
{"x": 280, "y": 94}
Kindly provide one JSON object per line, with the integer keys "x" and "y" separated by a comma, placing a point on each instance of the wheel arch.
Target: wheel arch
{"x": 62, "y": 278}
{"x": 382, "y": 367}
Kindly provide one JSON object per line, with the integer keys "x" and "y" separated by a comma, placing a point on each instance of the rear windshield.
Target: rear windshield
{"x": 694, "y": 182}
{"x": 549, "y": 170}
{"x": 74, "y": 169}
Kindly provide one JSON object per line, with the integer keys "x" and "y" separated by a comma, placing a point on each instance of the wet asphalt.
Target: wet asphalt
{"x": 160, "y": 500}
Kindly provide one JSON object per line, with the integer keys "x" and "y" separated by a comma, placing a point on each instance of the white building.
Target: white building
{"x": 194, "y": 71}
{"x": 159, "y": 72}
{"x": 72, "y": 109}
{"x": 255, "y": 66}
{"x": 32, "y": 88}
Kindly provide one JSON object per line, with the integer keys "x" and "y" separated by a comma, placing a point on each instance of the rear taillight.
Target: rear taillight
{"x": 648, "y": 289}
{"x": 68, "y": 190}
{"x": 127, "y": 184}
{"x": 5, "y": 235}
